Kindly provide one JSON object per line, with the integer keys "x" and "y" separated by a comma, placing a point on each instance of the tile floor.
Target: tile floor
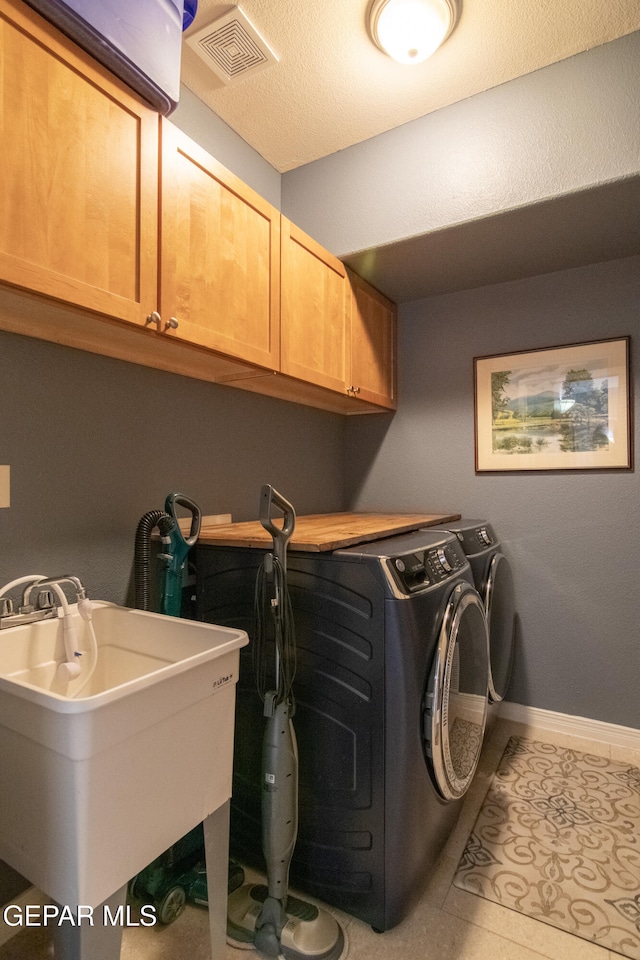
{"x": 447, "y": 924}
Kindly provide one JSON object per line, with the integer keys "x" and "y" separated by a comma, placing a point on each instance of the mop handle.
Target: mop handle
{"x": 270, "y": 497}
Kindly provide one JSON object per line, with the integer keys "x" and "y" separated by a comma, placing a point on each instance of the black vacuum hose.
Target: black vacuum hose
{"x": 142, "y": 554}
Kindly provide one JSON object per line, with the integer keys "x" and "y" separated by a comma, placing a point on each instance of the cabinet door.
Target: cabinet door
{"x": 373, "y": 344}
{"x": 78, "y": 174}
{"x": 220, "y": 256}
{"x": 314, "y": 311}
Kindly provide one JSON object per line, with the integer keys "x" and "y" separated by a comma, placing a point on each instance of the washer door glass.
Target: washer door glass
{"x": 500, "y": 606}
{"x": 456, "y": 697}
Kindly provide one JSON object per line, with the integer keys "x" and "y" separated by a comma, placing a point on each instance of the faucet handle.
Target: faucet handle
{"x": 6, "y": 607}
{"x": 45, "y": 600}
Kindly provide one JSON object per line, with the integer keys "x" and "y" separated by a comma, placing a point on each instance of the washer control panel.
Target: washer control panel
{"x": 420, "y": 570}
{"x": 484, "y": 536}
{"x": 476, "y": 537}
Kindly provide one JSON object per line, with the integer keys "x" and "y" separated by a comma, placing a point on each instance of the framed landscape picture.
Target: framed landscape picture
{"x": 561, "y": 408}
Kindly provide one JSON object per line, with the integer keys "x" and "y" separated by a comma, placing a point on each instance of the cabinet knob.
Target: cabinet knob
{"x": 171, "y": 324}
{"x": 353, "y": 390}
{"x": 153, "y": 318}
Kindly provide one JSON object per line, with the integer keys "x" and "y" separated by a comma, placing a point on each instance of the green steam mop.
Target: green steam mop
{"x": 278, "y": 924}
{"x": 175, "y": 547}
{"x": 177, "y": 874}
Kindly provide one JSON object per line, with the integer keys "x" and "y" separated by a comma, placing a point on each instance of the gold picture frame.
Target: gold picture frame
{"x": 554, "y": 408}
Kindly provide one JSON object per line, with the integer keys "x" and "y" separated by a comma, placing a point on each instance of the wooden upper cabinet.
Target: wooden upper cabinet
{"x": 78, "y": 174}
{"x": 315, "y": 315}
{"x": 113, "y": 210}
{"x": 220, "y": 256}
{"x": 373, "y": 344}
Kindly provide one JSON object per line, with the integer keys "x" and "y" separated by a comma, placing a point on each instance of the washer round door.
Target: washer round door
{"x": 455, "y": 707}
{"x": 499, "y": 603}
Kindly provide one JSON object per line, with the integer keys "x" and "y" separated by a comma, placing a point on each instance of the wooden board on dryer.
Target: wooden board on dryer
{"x": 321, "y": 532}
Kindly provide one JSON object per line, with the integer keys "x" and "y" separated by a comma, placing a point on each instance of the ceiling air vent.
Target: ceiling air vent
{"x": 232, "y": 47}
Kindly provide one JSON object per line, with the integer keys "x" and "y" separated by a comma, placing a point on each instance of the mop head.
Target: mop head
{"x": 311, "y": 933}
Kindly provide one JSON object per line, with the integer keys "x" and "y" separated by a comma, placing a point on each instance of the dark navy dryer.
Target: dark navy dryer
{"x": 494, "y": 581}
{"x": 391, "y": 702}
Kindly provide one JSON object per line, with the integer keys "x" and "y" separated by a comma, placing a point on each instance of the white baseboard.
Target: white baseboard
{"x": 611, "y": 733}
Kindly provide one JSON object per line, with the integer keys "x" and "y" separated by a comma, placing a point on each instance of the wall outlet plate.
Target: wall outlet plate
{"x": 4, "y": 486}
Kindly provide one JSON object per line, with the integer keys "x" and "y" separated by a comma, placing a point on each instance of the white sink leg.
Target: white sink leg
{"x": 97, "y": 942}
{"x": 216, "y": 846}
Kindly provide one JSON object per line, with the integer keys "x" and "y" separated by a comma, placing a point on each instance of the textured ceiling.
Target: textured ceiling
{"x": 332, "y": 87}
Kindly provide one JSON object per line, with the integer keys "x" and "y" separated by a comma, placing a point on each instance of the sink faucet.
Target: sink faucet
{"x": 45, "y": 605}
{"x": 81, "y": 593}
{"x": 45, "y": 608}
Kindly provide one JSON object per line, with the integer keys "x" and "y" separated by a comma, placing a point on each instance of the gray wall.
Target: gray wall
{"x": 94, "y": 443}
{"x": 572, "y": 537}
{"x": 559, "y": 130}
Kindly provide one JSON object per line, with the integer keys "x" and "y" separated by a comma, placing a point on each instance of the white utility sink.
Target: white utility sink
{"x": 96, "y": 786}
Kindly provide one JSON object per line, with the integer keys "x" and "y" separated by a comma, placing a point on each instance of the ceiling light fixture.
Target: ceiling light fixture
{"x": 409, "y": 31}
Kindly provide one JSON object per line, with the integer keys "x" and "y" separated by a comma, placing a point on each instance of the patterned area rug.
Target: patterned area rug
{"x": 558, "y": 839}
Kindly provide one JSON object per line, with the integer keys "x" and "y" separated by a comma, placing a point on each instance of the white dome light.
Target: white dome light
{"x": 411, "y": 30}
